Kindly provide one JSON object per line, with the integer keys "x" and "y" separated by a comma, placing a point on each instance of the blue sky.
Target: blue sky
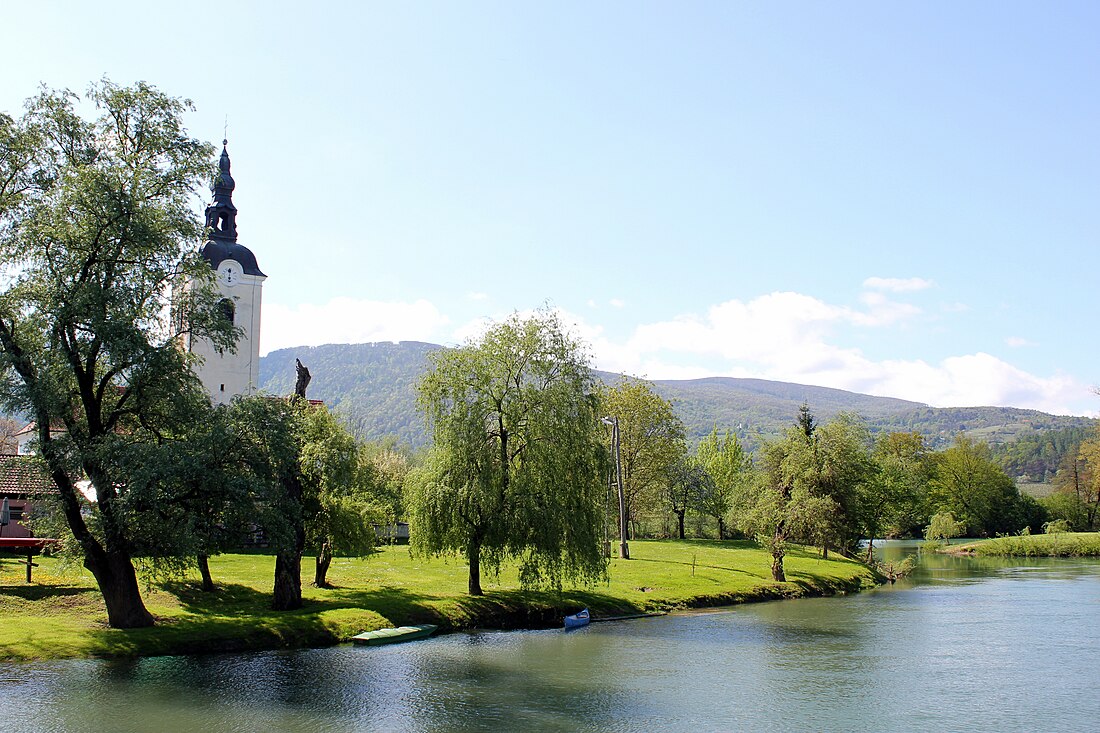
{"x": 896, "y": 199}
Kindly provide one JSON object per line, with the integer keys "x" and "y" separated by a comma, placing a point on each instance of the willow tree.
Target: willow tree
{"x": 517, "y": 464}
{"x": 97, "y": 223}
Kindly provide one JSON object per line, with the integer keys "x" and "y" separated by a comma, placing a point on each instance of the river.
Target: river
{"x": 964, "y": 644}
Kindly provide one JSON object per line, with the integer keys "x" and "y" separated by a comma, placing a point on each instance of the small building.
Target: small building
{"x": 392, "y": 534}
{"x": 23, "y": 439}
{"x": 22, "y": 480}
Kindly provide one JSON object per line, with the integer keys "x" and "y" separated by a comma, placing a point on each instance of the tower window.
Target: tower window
{"x": 223, "y": 388}
{"x": 228, "y": 310}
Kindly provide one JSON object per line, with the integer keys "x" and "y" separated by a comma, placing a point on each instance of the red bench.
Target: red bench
{"x": 30, "y": 544}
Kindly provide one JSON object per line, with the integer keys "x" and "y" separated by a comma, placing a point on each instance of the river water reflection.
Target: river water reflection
{"x": 965, "y": 644}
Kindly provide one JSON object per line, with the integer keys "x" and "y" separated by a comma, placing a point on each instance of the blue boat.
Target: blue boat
{"x": 577, "y": 620}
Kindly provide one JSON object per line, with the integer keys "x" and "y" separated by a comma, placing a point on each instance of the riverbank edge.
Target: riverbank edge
{"x": 1057, "y": 544}
{"x": 500, "y": 616}
{"x": 312, "y": 627}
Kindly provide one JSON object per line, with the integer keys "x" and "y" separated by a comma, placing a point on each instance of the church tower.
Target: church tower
{"x": 240, "y": 283}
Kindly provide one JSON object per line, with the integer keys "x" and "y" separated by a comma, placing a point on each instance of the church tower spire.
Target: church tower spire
{"x": 240, "y": 283}
{"x": 221, "y": 214}
{"x": 221, "y": 221}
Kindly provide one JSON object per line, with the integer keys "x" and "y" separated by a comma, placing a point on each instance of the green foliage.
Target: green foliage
{"x": 340, "y": 485}
{"x": 517, "y": 465}
{"x": 1076, "y": 496}
{"x": 893, "y": 502}
{"x": 370, "y": 387}
{"x": 1055, "y": 526}
{"x": 688, "y": 486}
{"x": 780, "y": 500}
{"x": 813, "y": 486}
{"x": 390, "y": 468}
{"x": 943, "y": 526}
{"x": 729, "y": 467}
{"x": 966, "y": 482}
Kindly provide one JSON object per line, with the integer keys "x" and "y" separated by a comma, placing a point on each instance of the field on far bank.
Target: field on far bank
{"x": 61, "y": 613}
{"x": 1058, "y": 544}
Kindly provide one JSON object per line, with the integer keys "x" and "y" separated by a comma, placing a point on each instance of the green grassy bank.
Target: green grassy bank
{"x": 62, "y": 615}
{"x": 1059, "y": 544}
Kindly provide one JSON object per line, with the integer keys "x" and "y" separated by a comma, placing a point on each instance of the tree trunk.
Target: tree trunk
{"x": 680, "y": 523}
{"x": 204, "y": 570}
{"x": 777, "y": 568}
{"x": 287, "y": 594}
{"x": 721, "y": 528}
{"x": 112, "y": 566}
{"x": 824, "y": 552}
{"x": 114, "y": 573}
{"x": 324, "y": 560}
{"x": 475, "y": 569}
{"x": 778, "y": 552}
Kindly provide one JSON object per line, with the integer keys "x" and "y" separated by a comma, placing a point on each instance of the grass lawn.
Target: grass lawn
{"x": 1058, "y": 544}
{"x": 61, "y": 613}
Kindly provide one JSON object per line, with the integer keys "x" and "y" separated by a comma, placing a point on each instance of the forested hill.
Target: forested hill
{"x": 373, "y": 387}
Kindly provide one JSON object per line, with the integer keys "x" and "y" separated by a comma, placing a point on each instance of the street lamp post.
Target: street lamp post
{"x": 624, "y": 548}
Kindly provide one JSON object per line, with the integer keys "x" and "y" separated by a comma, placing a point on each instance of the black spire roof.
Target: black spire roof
{"x": 221, "y": 220}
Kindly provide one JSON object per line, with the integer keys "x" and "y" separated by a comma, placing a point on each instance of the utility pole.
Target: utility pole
{"x": 624, "y": 548}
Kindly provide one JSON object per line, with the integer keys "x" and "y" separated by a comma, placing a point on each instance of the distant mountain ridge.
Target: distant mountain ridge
{"x": 373, "y": 387}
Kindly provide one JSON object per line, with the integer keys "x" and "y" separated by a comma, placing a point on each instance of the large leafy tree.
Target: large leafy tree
{"x": 843, "y": 472}
{"x": 688, "y": 484}
{"x": 317, "y": 487}
{"x": 517, "y": 462}
{"x": 205, "y": 486}
{"x": 651, "y": 444}
{"x": 1077, "y": 484}
{"x": 730, "y": 469}
{"x": 969, "y": 484}
{"x": 809, "y": 487}
{"x": 97, "y": 225}
{"x": 780, "y": 501}
{"x": 893, "y": 500}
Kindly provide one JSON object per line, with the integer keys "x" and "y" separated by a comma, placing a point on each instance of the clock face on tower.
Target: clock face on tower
{"x": 229, "y": 272}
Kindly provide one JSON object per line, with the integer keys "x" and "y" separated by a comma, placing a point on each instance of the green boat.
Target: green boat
{"x": 393, "y": 636}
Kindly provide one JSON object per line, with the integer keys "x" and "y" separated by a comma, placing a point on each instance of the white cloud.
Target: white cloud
{"x": 881, "y": 311}
{"x": 477, "y": 296}
{"x": 791, "y": 337}
{"x": 1017, "y": 342}
{"x": 349, "y": 321}
{"x": 897, "y": 284}
{"x": 617, "y": 303}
